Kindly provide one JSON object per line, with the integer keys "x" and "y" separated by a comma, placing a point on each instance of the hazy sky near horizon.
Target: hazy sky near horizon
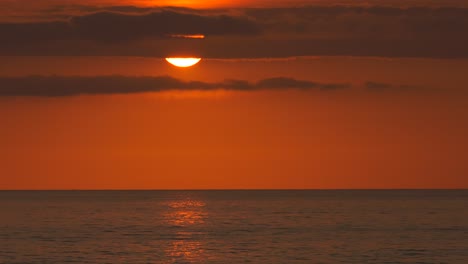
{"x": 290, "y": 94}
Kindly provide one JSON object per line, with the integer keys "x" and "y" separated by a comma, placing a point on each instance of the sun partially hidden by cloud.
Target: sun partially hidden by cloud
{"x": 183, "y": 62}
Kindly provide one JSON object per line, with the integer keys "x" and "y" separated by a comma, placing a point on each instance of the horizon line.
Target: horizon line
{"x": 254, "y": 189}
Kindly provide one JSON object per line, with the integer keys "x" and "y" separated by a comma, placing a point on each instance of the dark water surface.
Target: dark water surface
{"x": 234, "y": 227}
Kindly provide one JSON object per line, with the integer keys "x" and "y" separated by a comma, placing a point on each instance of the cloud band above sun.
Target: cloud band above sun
{"x": 381, "y": 31}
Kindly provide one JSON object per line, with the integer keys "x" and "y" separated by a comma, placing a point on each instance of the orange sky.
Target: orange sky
{"x": 289, "y": 94}
{"x": 265, "y": 139}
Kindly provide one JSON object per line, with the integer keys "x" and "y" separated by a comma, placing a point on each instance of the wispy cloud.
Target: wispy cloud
{"x": 54, "y": 86}
{"x": 387, "y": 87}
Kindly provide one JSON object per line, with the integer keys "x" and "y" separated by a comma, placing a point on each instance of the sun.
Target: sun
{"x": 183, "y": 62}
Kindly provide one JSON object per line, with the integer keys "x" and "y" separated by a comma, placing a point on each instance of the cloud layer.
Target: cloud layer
{"x": 54, "y": 86}
{"x": 247, "y": 33}
{"x": 119, "y": 27}
{"x": 388, "y": 87}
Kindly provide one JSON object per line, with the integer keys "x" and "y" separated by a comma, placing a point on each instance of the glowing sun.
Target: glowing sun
{"x": 183, "y": 62}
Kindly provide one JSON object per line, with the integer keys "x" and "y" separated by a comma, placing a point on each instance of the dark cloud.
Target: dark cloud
{"x": 115, "y": 26}
{"x": 281, "y": 82}
{"x": 78, "y": 10}
{"x": 54, "y": 86}
{"x": 387, "y": 87}
{"x": 377, "y": 86}
{"x": 366, "y": 31}
{"x": 438, "y": 32}
{"x": 118, "y": 27}
{"x": 354, "y": 21}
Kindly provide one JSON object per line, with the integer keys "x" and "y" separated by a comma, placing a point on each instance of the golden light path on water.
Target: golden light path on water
{"x": 187, "y": 215}
{"x": 183, "y": 62}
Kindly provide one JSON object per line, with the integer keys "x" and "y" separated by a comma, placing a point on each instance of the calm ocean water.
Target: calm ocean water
{"x": 234, "y": 227}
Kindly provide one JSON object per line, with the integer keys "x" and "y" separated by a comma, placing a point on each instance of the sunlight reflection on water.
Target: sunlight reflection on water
{"x": 184, "y": 214}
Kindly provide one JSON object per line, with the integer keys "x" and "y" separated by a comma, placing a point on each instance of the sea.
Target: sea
{"x": 234, "y": 226}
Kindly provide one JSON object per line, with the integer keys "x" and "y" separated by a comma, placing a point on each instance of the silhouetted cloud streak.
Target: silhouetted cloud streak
{"x": 388, "y": 87}
{"x": 55, "y": 86}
